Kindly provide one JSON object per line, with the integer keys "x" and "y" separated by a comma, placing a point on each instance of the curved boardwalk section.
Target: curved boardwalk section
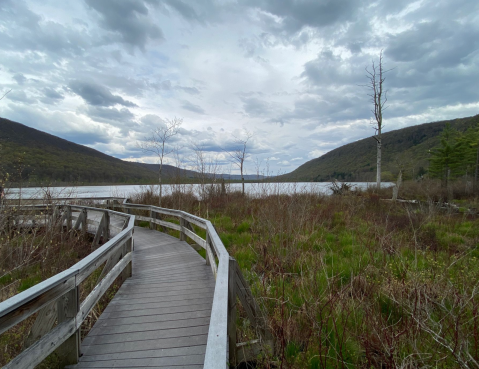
{"x": 160, "y": 316}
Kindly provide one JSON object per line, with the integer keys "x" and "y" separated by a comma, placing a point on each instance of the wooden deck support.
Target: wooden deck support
{"x": 67, "y": 308}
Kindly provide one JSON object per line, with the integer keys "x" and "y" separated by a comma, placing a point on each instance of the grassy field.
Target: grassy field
{"x": 354, "y": 281}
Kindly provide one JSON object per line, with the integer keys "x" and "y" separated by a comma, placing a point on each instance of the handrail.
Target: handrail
{"x": 222, "y": 348}
{"x": 62, "y": 289}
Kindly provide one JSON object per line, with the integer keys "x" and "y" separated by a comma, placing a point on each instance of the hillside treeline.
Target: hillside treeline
{"x": 456, "y": 156}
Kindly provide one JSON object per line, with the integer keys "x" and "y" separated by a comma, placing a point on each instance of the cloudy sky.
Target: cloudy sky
{"x": 104, "y": 73}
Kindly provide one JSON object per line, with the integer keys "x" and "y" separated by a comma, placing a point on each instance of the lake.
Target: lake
{"x": 253, "y": 189}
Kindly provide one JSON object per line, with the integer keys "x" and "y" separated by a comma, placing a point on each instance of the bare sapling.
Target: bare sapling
{"x": 158, "y": 143}
{"x": 240, "y": 154}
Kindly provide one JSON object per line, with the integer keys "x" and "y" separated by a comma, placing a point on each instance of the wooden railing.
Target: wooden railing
{"x": 58, "y": 298}
{"x": 222, "y": 348}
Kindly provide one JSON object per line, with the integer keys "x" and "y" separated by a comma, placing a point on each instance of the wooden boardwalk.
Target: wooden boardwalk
{"x": 160, "y": 316}
{"x": 174, "y": 309}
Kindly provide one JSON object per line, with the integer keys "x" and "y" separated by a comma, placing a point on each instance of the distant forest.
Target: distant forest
{"x": 408, "y": 149}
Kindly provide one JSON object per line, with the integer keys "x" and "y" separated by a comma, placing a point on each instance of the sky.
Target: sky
{"x": 291, "y": 74}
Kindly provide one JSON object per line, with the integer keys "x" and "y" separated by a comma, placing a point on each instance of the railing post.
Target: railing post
{"x": 127, "y": 272}
{"x": 152, "y": 214}
{"x": 69, "y": 217}
{"x": 68, "y": 306}
{"x": 232, "y": 311}
{"x": 54, "y": 215}
{"x": 84, "y": 223}
{"x": 208, "y": 248}
{"x": 182, "y": 233}
{"x": 106, "y": 227}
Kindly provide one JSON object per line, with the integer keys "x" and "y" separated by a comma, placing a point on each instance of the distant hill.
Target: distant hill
{"x": 173, "y": 171}
{"x": 405, "y": 148}
{"x": 32, "y": 155}
{"x": 36, "y": 157}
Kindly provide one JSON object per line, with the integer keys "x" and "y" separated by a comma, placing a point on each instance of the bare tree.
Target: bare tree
{"x": 378, "y": 98}
{"x": 158, "y": 144}
{"x": 207, "y": 168}
{"x": 239, "y": 155}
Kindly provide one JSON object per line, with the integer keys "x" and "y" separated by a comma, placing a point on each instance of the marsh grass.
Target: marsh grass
{"x": 354, "y": 281}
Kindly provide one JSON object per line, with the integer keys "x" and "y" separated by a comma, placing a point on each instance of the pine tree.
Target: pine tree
{"x": 470, "y": 160}
{"x": 445, "y": 162}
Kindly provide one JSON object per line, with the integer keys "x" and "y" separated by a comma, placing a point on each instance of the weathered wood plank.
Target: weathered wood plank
{"x": 193, "y": 361}
{"x": 211, "y": 260}
{"x": 232, "y": 312}
{"x": 35, "y": 354}
{"x": 137, "y": 306}
{"x": 195, "y": 237}
{"x": 99, "y": 232}
{"x": 217, "y": 346}
{"x": 18, "y": 311}
{"x": 44, "y": 321}
{"x": 146, "y": 335}
{"x": 67, "y": 309}
{"x": 171, "y": 352}
{"x": 144, "y": 327}
{"x": 100, "y": 289}
{"x": 111, "y": 348}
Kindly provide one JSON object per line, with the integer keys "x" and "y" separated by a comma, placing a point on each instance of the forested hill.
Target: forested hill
{"x": 36, "y": 157}
{"x": 405, "y": 148}
{"x": 39, "y": 157}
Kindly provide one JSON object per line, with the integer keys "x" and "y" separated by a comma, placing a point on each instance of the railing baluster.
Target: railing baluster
{"x": 232, "y": 311}
{"x": 67, "y": 308}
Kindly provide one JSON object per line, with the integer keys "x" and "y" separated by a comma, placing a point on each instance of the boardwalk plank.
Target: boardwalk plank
{"x": 112, "y": 329}
{"x": 111, "y": 348}
{"x": 160, "y": 316}
{"x": 155, "y": 311}
{"x": 172, "y": 352}
{"x": 146, "y": 335}
{"x": 191, "y": 361}
{"x": 164, "y": 304}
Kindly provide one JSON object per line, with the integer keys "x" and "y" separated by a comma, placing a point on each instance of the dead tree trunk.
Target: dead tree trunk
{"x": 379, "y": 99}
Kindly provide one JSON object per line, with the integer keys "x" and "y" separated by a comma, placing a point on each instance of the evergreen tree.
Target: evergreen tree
{"x": 470, "y": 141}
{"x": 445, "y": 162}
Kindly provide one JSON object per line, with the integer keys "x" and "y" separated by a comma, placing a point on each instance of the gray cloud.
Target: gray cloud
{"x": 189, "y": 90}
{"x": 329, "y": 69}
{"x": 256, "y": 107}
{"x": 95, "y": 94}
{"x": 192, "y": 107}
{"x": 21, "y": 96}
{"x": 295, "y": 15}
{"x": 185, "y": 10}
{"x": 153, "y": 121}
{"x": 20, "y": 78}
{"x": 118, "y": 117}
{"x": 24, "y": 30}
{"x": 129, "y": 19}
{"x": 51, "y": 96}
